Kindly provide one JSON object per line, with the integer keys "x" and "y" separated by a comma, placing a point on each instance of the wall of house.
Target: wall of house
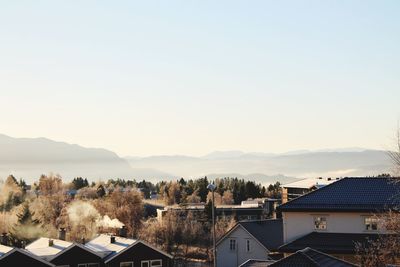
{"x": 229, "y": 258}
{"x": 139, "y": 253}
{"x": 75, "y": 256}
{"x": 298, "y": 224}
{"x": 20, "y": 260}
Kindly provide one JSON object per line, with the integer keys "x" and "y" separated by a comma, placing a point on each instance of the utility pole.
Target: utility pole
{"x": 212, "y": 188}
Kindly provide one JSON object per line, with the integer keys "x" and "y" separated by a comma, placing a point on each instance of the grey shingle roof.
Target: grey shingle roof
{"x": 350, "y": 194}
{"x": 343, "y": 243}
{"x": 308, "y": 258}
{"x": 256, "y": 263}
{"x": 268, "y": 232}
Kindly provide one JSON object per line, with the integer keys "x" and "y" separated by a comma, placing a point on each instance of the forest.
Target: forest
{"x": 86, "y": 209}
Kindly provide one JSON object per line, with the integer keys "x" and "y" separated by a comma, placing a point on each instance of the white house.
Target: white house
{"x": 333, "y": 218}
{"x": 249, "y": 240}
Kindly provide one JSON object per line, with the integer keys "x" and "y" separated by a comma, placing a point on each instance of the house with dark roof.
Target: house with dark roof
{"x": 77, "y": 255}
{"x": 128, "y": 252}
{"x": 20, "y": 257}
{"x": 310, "y": 258}
{"x": 334, "y": 218}
{"x": 249, "y": 240}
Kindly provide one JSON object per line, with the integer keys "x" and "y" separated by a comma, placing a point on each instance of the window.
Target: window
{"x": 145, "y": 264}
{"x": 371, "y": 223}
{"x": 232, "y": 244}
{"x": 126, "y": 264}
{"x": 248, "y": 245}
{"x": 156, "y": 263}
{"x": 320, "y": 223}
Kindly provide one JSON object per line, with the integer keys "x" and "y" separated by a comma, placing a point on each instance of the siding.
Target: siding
{"x": 228, "y": 258}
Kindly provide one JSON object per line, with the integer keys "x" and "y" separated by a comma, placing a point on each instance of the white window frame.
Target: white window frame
{"x": 320, "y": 218}
{"x": 373, "y": 219}
{"x": 124, "y": 262}
{"x": 159, "y": 265}
{"x": 142, "y": 262}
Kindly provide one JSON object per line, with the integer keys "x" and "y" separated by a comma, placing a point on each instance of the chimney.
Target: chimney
{"x": 62, "y": 234}
{"x": 112, "y": 239}
{"x": 4, "y": 239}
{"x": 123, "y": 232}
{"x": 23, "y": 244}
{"x": 83, "y": 241}
{"x": 51, "y": 242}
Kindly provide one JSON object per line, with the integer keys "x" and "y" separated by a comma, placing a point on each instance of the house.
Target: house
{"x": 127, "y": 252}
{"x": 19, "y": 257}
{"x": 252, "y": 209}
{"x": 249, "y": 240}
{"x": 310, "y": 258}
{"x": 298, "y": 188}
{"x": 77, "y": 255}
{"x": 47, "y": 248}
{"x": 334, "y": 218}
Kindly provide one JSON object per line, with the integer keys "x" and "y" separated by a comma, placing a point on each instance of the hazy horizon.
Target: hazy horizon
{"x": 188, "y": 78}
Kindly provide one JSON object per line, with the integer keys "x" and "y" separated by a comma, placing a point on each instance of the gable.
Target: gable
{"x": 239, "y": 233}
{"x": 138, "y": 252}
{"x": 76, "y": 255}
{"x": 16, "y": 258}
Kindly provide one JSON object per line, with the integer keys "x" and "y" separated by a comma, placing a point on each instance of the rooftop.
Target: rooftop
{"x": 41, "y": 246}
{"x": 308, "y": 258}
{"x": 340, "y": 243}
{"x": 103, "y": 243}
{"x": 256, "y": 263}
{"x": 310, "y": 182}
{"x": 4, "y": 250}
{"x": 350, "y": 194}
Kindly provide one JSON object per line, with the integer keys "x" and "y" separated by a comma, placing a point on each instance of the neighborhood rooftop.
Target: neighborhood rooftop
{"x": 47, "y": 247}
{"x": 349, "y": 194}
{"x": 268, "y": 232}
{"x": 310, "y": 182}
{"x": 343, "y": 243}
{"x": 110, "y": 243}
{"x": 308, "y": 258}
{"x": 4, "y": 249}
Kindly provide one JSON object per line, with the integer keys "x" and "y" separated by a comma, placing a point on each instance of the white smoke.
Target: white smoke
{"x": 83, "y": 212}
{"x": 107, "y": 222}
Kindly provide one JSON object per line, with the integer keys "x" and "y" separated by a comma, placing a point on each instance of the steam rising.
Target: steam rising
{"x": 80, "y": 212}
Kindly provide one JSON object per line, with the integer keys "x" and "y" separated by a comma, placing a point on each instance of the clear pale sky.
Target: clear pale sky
{"x": 191, "y": 77}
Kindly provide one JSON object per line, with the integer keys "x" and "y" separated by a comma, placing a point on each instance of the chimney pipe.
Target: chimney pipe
{"x": 83, "y": 241}
{"x": 123, "y": 232}
{"x": 112, "y": 239}
{"x": 51, "y": 242}
{"x": 62, "y": 234}
{"x": 23, "y": 244}
{"x": 4, "y": 239}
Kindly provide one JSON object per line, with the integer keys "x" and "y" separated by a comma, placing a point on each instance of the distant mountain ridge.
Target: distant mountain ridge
{"x": 31, "y": 157}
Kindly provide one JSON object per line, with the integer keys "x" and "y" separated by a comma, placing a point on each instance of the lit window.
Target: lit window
{"x": 248, "y": 245}
{"x": 126, "y": 264}
{"x": 232, "y": 244}
{"x": 320, "y": 223}
{"x": 371, "y": 223}
{"x": 156, "y": 263}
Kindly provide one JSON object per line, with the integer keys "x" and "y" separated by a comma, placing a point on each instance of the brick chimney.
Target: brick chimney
{"x": 51, "y": 242}
{"x": 123, "y": 232}
{"x": 112, "y": 239}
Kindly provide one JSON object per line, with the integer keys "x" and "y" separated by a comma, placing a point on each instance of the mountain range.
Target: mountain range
{"x": 30, "y": 157}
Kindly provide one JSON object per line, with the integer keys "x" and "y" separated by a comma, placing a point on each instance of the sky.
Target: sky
{"x": 190, "y": 77}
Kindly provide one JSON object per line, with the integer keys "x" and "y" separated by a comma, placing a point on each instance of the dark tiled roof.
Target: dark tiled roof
{"x": 267, "y": 232}
{"x": 309, "y": 257}
{"x": 343, "y": 243}
{"x": 350, "y": 194}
